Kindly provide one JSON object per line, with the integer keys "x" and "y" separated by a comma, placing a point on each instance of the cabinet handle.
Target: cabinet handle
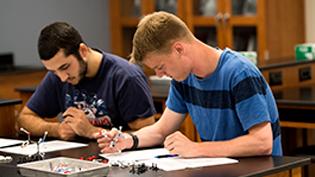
{"x": 219, "y": 17}
{"x": 226, "y": 17}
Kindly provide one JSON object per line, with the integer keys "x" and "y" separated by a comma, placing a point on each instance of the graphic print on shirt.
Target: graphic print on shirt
{"x": 93, "y": 107}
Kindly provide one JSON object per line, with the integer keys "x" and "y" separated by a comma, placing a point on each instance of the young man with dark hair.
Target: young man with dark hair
{"x": 87, "y": 89}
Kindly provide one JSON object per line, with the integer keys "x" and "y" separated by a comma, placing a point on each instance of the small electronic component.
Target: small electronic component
{"x": 38, "y": 155}
{"x": 63, "y": 166}
{"x": 28, "y": 141}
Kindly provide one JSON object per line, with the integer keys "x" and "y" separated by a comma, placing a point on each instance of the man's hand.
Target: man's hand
{"x": 110, "y": 141}
{"x": 77, "y": 120}
{"x": 177, "y": 143}
{"x": 65, "y": 132}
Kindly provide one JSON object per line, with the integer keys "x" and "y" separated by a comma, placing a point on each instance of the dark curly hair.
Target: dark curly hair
{"x": 56, "y": 36}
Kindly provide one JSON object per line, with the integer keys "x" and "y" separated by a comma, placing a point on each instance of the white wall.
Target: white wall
{"x": 22, "y": 20}
{"x": 310, "y": 20}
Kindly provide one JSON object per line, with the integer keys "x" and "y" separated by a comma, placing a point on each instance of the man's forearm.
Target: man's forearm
{"x": 52, "y": 128}
{"x": 155, "y": 134}
{"x": 150, "y": 136}
{"x": 38, "y": 126}
{"x": 257, "y": 142}
{"x": 246, "y": 145}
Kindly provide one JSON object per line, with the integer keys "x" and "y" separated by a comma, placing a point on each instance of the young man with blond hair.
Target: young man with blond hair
{"x": 229, "y": 101}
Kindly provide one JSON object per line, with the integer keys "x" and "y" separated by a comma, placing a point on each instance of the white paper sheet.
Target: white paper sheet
{"x": 8, "y": 142}
{"x": 132, "y": 156}
{"x": 48, "y": 146}
{"x": 168, "y": 164}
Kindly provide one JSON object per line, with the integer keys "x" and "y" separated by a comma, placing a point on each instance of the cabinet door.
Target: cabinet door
{"x": 125, "y": 16}
{"x": 204, "y": 18}
{"x": 173, "y": 6}
{"x": 244, "y": 26}
{"x": 240, "y": 22}
{"x": 237, "y": 24}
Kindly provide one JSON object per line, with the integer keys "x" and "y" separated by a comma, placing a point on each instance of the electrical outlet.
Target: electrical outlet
{"x": 305, "y": 74}
{"x": 6, "y": 61}
{"x": 275, "y": 78}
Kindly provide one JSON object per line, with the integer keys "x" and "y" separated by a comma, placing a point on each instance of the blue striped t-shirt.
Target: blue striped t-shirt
{"x": 230, "y": 101}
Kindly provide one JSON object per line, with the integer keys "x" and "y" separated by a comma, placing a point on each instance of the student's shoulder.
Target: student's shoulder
{"x": 115, "y": 60}
{"x": 51, "y": 77}
{"x": 121, "y": 66}
{"x": 237, "y": 63}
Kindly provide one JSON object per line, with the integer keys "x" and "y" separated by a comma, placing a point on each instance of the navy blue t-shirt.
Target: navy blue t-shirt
{"x": 118, "y": 94}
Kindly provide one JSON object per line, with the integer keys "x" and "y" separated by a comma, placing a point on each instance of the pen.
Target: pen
{"x": 166, "y": 156}
{"x": 158, "y": 157}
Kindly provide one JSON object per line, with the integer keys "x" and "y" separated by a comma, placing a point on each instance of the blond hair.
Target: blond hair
{"x": 156, "y": 32}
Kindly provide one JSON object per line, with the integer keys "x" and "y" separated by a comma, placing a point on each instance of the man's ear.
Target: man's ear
{"x": 178, "y": 48}
{"x": 83, "y": 50}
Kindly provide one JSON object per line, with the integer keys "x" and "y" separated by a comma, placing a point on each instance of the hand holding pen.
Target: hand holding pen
{"x": 118, "y": 135}
{"x": 112, "y": 141}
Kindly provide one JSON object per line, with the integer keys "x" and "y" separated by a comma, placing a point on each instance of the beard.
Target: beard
{"x": 83, "y": 68}
{"x": 82, "y": 72}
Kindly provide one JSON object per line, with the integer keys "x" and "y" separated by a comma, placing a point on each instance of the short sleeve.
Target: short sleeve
{"x": 135, "y": 99}
{"x": 175, "y": 100}
{"x": 45, "y": 101}
{"x": 251, "y": 104}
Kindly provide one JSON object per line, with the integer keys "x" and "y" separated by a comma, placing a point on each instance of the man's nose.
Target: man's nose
{"x": 62, "y": 75}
